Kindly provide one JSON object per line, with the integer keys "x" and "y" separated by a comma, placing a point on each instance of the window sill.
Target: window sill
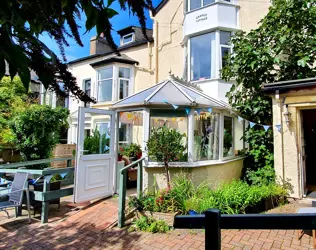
{"x": 195, "y": 164}
{"x": 209, "y": 5}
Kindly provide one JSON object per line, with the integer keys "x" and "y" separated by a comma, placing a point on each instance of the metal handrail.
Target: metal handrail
{"x": 132, "y": 164}
{"x": 122, "y": 189}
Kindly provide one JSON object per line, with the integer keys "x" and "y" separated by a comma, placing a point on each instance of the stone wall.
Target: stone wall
{"x": 60, "y": 151}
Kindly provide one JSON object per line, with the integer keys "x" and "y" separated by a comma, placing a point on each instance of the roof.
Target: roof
{"x": 164, "y": 93}
{"x": 284, "y": 86}
{"x": 115, "y": 58}
{"x": 160, "y": 6}
{"x": 140, "y": 39}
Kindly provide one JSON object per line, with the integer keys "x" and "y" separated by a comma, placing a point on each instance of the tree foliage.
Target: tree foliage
{"x": 21, "y": 23}
{"x": 13, "y": 99}
{"x": 165, "y": 145}
{"x": 283, "y": 47}
{"x": 36, "y": 130}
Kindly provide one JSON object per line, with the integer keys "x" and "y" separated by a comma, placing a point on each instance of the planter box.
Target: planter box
{"x": 167, "y": 217}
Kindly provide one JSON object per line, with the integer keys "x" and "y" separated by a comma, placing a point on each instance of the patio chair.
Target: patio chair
{"x": 19, "y": 185}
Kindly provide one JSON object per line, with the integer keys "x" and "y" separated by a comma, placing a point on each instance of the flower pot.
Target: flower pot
{"x": 120, "y": 157}
{"x": 167, "y": 217}
{"x": 139, "y": 155}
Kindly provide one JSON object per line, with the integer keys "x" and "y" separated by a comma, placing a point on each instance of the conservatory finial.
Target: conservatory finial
{"x": 170, "y": 73}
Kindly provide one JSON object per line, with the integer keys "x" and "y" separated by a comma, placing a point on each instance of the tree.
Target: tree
{"x": 165, "y": 145}
{"x": 21, "y": 23}
{"x": 13, "y": 99}
{"x": 283, "y": 47}
{"x": 36, "y": 130}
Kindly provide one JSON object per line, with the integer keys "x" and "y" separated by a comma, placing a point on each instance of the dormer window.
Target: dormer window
{"x": 127, "y": 39}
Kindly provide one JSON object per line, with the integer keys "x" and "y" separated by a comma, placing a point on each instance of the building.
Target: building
{"x": 294, "y": 123}
{"x": 145, "y": 83}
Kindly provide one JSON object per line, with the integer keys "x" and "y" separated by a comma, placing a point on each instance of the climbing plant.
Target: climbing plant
{"x": 283, "y": 47}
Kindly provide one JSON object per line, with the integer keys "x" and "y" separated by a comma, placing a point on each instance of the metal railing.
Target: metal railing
{"x": 212, "y": 221}
{"x": 122, "y": 188}
{"x": 46, "y": 195}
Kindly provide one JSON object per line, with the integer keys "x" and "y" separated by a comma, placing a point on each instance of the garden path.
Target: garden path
{"x": 90, "y": 228}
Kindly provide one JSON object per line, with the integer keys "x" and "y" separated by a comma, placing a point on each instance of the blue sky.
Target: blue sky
{"x": 74, "y": 51}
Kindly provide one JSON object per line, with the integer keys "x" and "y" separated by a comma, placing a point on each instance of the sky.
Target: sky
{"x": 74, "y": 51}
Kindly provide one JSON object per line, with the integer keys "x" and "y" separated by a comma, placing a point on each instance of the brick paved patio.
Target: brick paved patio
{"x": 91, "y": 229}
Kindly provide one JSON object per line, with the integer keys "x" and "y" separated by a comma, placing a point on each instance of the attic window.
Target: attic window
{"x": 127, "y": 39}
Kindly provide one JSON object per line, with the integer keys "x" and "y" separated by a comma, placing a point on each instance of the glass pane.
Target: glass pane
{"x": 202, "y": 57}
{"x": 105, "y": 91}
{"x": 105, "y": 73}
{"x": 123, "y": 132}
{"x": 194, "y": 4}
{"x": 128, "y": 38}
{"x": 206, "y": 2}
{"x": 123, "y": 88}
{"x": 172, "y": 119}
{"x": 97, "y": 134}
{"x": 238, "y": 135}
{"x": 87, "y": 85}
{"x": 225, "y": 52}
{"x": 228, "y": 136}
{"x": 124, "y": 72}
{"x": 206, "y": 136}
{"x": 225, "y": 37}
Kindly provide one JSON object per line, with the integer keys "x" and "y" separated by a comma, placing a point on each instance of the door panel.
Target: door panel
{"x": 95, "y": 155}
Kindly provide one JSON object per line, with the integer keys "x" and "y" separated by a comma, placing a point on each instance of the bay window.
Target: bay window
{"x": 206, "y": 136}
{"x": 195, "y": 4}
{"x": 225, "y": 46}
{"x": 202, "y": 58}
{"x": 124, "y": 82}
{"x": 105, "y": 84}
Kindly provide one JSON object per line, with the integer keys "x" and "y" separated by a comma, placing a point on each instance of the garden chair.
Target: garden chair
{"x": 19, "y": 185}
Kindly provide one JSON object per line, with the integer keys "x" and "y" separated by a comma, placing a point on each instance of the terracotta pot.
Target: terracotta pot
{"x": 139, "y": 155}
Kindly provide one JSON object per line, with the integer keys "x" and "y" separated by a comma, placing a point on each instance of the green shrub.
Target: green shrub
{"x": 36, "y": 130}
{"x": 132, "y": 150}
{"x": 148, "y": 224}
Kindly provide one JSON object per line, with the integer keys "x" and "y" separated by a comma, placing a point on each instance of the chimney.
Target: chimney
{"x": 99, "y": 46}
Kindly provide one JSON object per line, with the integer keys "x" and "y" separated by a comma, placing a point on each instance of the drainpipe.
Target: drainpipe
{"x": 156, "y": 51}
{"x": 282, "y": 138}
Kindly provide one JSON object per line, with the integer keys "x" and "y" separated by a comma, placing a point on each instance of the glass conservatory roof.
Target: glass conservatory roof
{"x": 173, "y": 92}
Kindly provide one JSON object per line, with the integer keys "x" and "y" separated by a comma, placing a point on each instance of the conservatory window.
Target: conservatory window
{"x": 228, "y": 144}
{"x": 176, "y": 119}
{"x": 124, "y": 81}
{"x": 206, "y": 136}
{"x": 225, "y": 46}
{"x": 105, "y": 84}
{"x": 202, "y": 57}
{"x": 124, "y": 131}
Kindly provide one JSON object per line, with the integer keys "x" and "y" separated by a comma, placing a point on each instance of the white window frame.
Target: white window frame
{"x": 188, "y": 2}
{"x": 125, "y": 79}
{"x": 84, "y": 89}
{"x": 98, "y": 83}
{"x": 129, "y": 134}
{"x": 123, "y": 37}
{"x": 230, "y": 47}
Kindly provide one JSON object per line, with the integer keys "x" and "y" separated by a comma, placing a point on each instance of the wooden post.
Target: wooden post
{"x": 122, "y": 197}
{"x": 45, "y": 204}
{"x": 140, "y": 179}
{"x": 212, "y": 229}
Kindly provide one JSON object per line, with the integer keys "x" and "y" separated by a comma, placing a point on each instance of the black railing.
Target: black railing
{"x": 212, "y": 221}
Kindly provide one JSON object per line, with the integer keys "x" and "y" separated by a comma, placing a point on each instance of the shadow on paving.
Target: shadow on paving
{"x": 32, "y": 236}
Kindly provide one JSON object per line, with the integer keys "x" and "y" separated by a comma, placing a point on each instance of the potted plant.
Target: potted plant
{"x": 133, "y": 151}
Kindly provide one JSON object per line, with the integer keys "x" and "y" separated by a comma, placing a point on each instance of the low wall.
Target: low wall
{"x": 60, "y": 151}
{"x": 212, "y": 175}
{"x": 9, "y": 155}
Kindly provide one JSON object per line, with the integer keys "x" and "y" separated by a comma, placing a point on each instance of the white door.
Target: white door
{"x": 95, "y": 156}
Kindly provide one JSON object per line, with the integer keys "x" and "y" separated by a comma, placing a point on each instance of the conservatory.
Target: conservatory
{"x": 214, "y": 144}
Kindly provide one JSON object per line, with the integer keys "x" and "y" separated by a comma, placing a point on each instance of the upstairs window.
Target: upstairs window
{"x": 203, "y": 57}
{"x": 124, "y": 81}
{"x": 87, "y": 89}
{"x": 105, "y": 84}
{"x": 225, "y": 46}
{"x": 127, "y": 39}
{"x": 195, "y": 4}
